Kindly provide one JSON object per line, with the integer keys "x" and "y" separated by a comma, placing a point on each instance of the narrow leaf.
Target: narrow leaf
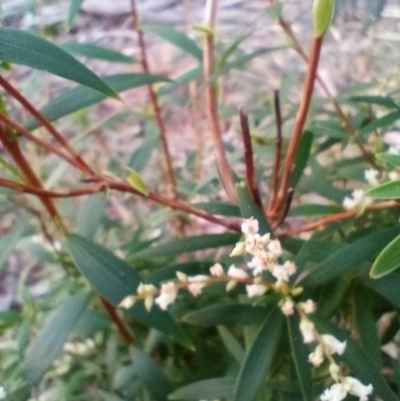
{"x": 9, "y": 241}
{"x": 189, "y": 244}
{"x": 389, "y": 190}
{"x": 393, "y": 160}
{"x": 231, "y": 343}
{"x": 210, "y": 389}
{"x": 50, "y": 340}
{"x": 223, "y": 209}
{"x": 97, "y": 52}
{"x": 385, "y": 101}
{"x": 80, "y": 97}
{"x": 350, "y": 257}
{"x": 302, "y": 157}
{"x": 300, "y": 357}
{"x": 114, "y": 280}
{"x": 74, "y": 7}
{"x": 388, "y": 260}
{"x": 90, "y": 215}
{"x": 177, "y": 38}
{"x": 135, "y": 181}
{"x": 388, "y": 287}
{"x": 382, "y": 122}
{"x": 21, "y": 47}
{"x": 259, "y": 357}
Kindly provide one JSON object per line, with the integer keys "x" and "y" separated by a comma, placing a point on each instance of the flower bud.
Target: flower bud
{"x": 322, "y": 16}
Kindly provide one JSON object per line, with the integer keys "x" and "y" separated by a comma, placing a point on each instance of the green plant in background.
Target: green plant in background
{"x": 164, "y": 308}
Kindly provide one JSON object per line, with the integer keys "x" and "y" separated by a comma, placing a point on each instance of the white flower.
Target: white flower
{"x": 234, "y": 272}
{"x": 336, "y": 392}
{"x": 250, "y": 226}
{"x": 254, "y": 290}
{"x": 167, "y": 295}
{"x": 333, "y": 344}
{"x": 283, "y": 272}
{"x": 254, "y": 244}
{"x": 308, "y": 307}
{"x": 317, "y": 357}
{"x": 275, "y": 248}
{"x": 261, "y": 261}
{"x": 334, "y": 371}
{"x": 394, "y": 176}
{"x": 371, "y": 176}
{"x": 3, "y": 393}
{"x": 307, "y": 330}
{"x": 239, "y": 249}
{"x": 196, "y": 284}
{"x": 288, "y": 307}
{"x": 355, "y": 387}
{"x": 128, "y": 302}
{"x": 217, "y": 270}
{"x": 359, "y": 201}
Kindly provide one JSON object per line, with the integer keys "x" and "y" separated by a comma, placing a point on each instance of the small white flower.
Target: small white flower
{"x": 167, "y": 295}
{"x": 275, "y": 248}
{"x": 288, "y": 307}
{"x": 146, "y": 289}
{"x": 148, "y": 302}
{"x": 307, "y": 330}
{"x": 128, "y": 302}
{"x": 261, "y": 261}
{"x": 254, "y": 290}
{"x": 196, "y": 284}
{"x": 317, "y": 357}
{"x": 250, "y": 226}
{"x": 3, "y": 393}
{"x": 336, "y": 392}
{"x": 393, "y": 151}
{"x": 266, "y": 238}
{"x": 359, "y": 201}
{"x": 182, "y": 277}
{"x": 254, "y": 244}
{"x": 283, "y": 272}
{"x": 371, "y": 176}
{"x": 394, "y": 176}
{"x": 239, "y": 249}
{"x": 217, "y": 270}
{"x": 333, "y": 344}
{"x": 334, "y": 371}
{"x": 355, "y": 387}
{"x": 234, "y": 272}
{"x": 308, "y": 307}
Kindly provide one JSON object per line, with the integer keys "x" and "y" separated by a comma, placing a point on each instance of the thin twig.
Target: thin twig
{"x": 284, "y": 213}
{"x": 52, "y": 149}
{"x": 46, "y": 123}
{"x": 155, "y": 103}
{"x": 212, "y": 104}
{"x": 248, "y": 156}
{"x": 278, "y": 148}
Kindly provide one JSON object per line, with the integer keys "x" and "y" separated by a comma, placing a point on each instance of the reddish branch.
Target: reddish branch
{"x": 155, "y": 103}
{"x": 46, "y": 123}
{"x": 248, "y": 155}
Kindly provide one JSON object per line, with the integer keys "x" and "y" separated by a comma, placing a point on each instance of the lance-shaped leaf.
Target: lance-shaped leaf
{"x": 388, "y": 260}
{"x": 393, "y": 160}
{"x": 136, "y": 181}
{"x": 50, "y": 340}
{"x": 389, "y": 190}
{"x": 80, "y": 97}
{"x": 114, "y": 280}
{"x": 23, "y": 48}
{"x": 302, "y": 157}
{"x": 259, "y": 357}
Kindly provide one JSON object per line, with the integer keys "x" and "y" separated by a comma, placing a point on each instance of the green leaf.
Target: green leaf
{"x": 231, "y": 344}
{"x": 249, "y": 209}
{"x": 114, "y": 280}
{"x": 80, "y": 97}
{"x": 189, "y": 244}
{"x": 350, "y": 257}
{"x": 382, "y": 122}
{"x": 361, "y": 366}
{"x": 136, "y": 182}
{"x": 97, "y": 52}
{"x": 151, "y": 375}
{"x": 300, "y": 357}
{"x": 210, "y": 389}
{"x": 222, "y": 209}
{"x": 302, "y": 157}
{"x": 9, "y": 241}
{"x": 222, "y": 315}
{"x": 90, "y": 215}
{"x": 259, "y": 357}
{"x": 21, "y": 47}
{"x": 388, "y": 287}
{"x": 388, "y": 260}
{"x": 389, "y": 190}
{"x": 177, "y": 38}
{"x": 74, "y": 7}
{"x": 393, "y": 160}
{"x": 50, "y": 340}
{"x": 385, "y": 101}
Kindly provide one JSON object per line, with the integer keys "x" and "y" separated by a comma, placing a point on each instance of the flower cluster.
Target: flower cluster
{"x": 358, "y": 201}
{"x": 3, "y": 393}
